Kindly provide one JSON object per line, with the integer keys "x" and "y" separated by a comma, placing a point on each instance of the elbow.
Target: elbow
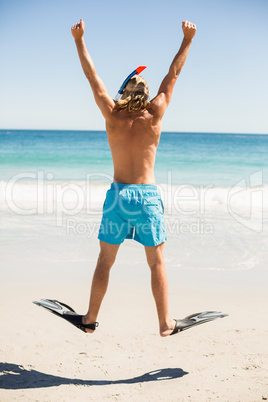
{"x": 91, "y": 75}
{"x": 173, "y": 73}
{"x": 88, "y": 75}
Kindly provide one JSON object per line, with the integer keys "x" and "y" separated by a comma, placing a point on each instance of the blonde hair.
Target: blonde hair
{"x": 135, "y": 95}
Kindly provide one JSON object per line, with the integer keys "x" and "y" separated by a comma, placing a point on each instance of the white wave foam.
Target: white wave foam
{"x": 46, "y": 197}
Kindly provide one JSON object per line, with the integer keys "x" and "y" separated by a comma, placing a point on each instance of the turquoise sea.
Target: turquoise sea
{"x": 184, "y": 158}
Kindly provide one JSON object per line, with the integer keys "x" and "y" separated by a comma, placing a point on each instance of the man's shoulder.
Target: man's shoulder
{"x": 157, "y": 102}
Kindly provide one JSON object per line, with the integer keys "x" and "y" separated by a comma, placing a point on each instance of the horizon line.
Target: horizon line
{"x": 104, "y": 131}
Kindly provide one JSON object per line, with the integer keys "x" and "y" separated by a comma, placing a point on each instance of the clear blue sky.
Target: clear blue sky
{"x": 222, "y": 88}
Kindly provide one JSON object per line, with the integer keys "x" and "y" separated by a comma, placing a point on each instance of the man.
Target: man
{"x": 133, "y": 207}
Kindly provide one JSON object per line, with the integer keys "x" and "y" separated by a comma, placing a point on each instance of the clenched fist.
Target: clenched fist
{"x": 78, "y": 30}
{"x": 189, "y": 29}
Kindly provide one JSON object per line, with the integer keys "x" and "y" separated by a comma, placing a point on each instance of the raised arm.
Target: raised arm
{"x": 102, "y": 98}
{"x": 163, "y": 98}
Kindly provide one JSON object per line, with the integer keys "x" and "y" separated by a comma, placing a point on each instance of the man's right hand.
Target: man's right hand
{"x": 78, "y": 30}
{"x": 189, "y": 30}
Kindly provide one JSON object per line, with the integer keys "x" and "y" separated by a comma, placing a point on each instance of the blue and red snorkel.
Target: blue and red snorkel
{"x": 123, "y": 86}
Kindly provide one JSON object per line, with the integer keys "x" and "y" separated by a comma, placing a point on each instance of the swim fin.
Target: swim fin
{"x": 66, "y": 312}
{"x": 196, "y": 319}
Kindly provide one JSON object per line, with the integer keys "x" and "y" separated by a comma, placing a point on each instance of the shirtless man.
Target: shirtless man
{"x": 133, "y": 206}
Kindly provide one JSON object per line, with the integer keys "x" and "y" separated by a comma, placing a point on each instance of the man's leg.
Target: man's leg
{"x": 155, "y": 259}
{"x": 100, "y": 280}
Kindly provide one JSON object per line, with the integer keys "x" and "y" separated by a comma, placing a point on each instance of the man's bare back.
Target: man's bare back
{"x": 133, "y": 139}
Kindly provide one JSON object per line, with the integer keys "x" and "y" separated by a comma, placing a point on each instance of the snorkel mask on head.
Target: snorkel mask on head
{"x": 123, "y": 86}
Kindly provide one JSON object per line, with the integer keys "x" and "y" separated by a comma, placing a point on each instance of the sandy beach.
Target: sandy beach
{"x": 44, "y": 358}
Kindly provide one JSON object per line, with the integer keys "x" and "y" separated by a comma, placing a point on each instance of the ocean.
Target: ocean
{"x": 190, "y": 158}
{"x": 214, "y": 188}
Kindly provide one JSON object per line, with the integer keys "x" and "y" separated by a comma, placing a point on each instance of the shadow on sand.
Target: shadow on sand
{"x": 14, "y": 376}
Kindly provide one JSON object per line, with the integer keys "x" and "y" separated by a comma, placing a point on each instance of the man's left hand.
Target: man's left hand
{"x": 78, "y": 30}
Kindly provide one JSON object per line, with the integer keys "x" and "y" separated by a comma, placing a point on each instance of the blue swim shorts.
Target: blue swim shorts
{"x": 133, "y": 211}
